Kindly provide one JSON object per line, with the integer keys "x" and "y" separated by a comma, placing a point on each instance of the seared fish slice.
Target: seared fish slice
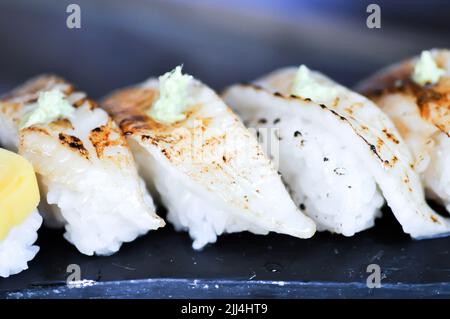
{"x": 336, "y": 157}
{"x": 85, "y": 169}
{"x": 208, "y": 169}
{"x": 422, "y": 115}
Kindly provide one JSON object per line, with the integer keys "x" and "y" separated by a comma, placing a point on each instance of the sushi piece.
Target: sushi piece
{"x": 207, "y": 168}
{"x": 85, "y": 169}
{"x": 416, "y": 95}
{"x": 19, "y": 218}
{"x": 339, "y": 153}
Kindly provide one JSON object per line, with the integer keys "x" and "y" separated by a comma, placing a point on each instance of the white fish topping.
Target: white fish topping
{"x": 208, "y": 169}
{"x": 366, "y": 131}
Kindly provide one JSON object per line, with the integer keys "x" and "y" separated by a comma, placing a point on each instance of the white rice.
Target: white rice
{"x": 17, "y": 248}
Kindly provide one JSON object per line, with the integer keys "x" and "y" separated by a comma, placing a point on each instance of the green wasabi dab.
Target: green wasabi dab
{"x": 51, "y": 105}
{"x": 173, "y": 97}
{"x": 305, "y": 86}
{"x": 426, "y": 70}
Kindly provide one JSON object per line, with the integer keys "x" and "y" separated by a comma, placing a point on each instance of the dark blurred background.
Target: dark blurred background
{"x": 221, "y": 42}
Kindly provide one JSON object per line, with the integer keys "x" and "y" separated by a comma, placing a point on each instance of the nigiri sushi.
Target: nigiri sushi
{"x": 19, "y": 218}
{"x": 85, "y": 169}
{"x": 339, "y": 153}
{"x": 206, "y": 167}
{"x": 416, "y": 95}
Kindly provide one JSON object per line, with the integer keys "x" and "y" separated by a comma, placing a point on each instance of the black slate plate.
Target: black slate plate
{"x": 119, "y": 45}
{"x": 162, "y": 264}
